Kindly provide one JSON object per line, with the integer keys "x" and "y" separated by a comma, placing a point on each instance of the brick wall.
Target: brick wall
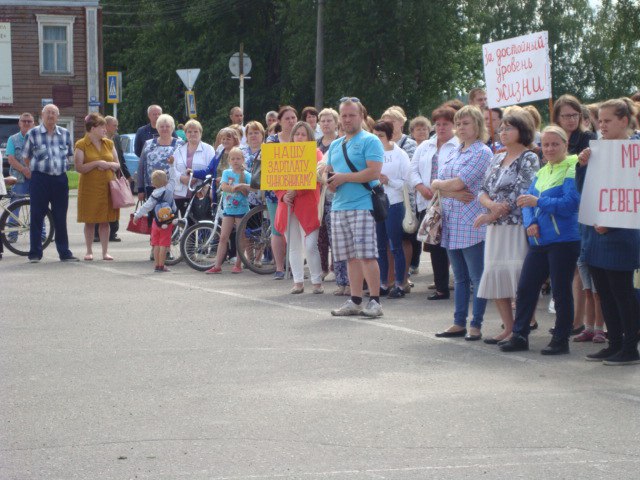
{"x": 29, "y": 87}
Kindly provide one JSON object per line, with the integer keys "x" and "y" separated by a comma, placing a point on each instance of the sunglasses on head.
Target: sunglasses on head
{"x": 350, "y": 99}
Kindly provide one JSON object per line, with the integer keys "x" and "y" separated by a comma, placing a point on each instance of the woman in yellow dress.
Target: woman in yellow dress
{"x": 96, "y": 160}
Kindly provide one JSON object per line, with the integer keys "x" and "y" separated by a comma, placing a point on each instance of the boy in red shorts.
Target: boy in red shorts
{"x": 164, "y": 207}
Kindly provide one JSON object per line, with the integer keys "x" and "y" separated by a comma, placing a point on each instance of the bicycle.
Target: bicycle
{"x": 191, "y": 217}
{"x": 199, "y": 244}
{"x": 15, "y": 222}
{"x": 254, "y": 247}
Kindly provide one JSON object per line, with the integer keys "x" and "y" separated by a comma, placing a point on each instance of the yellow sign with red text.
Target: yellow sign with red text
{"x": 288, "y": 166}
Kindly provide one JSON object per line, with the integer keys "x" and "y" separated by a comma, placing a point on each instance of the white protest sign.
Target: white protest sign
{"x": 611, "y": 192}
{"x": 517, "y": 70}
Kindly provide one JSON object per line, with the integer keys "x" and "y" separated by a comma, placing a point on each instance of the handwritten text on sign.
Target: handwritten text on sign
{"x": 611, "y": 193}
{"x": 288, "y": 166}
{"x": 517, "y": 70}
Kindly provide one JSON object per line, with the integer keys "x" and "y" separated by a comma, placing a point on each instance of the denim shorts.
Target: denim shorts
{"x": 585, "y": 276}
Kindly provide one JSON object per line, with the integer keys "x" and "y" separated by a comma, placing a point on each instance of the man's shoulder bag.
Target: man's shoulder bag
{"x": 378, "y": 197}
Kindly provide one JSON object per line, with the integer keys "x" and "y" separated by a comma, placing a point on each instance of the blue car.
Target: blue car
{"x": 130, "y": 158}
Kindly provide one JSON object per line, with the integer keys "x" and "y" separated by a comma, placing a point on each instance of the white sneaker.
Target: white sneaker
{"x": 552, "y": 307}
{"x": 346, "y": 309}
{"x": 373, "y": 309}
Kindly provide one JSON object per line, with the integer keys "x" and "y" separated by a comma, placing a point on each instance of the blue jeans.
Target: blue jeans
{"x": 467, "y": 265}
{"x": 44, "y": 190}
{"x": 390, "y": 231}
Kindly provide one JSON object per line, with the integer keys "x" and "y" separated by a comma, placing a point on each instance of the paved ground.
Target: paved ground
{"x": 109, "y": 371}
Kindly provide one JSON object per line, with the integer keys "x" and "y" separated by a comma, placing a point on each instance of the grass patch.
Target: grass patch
{"x": 74, "y": 178}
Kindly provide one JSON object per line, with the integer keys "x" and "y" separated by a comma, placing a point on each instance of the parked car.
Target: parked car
{"x": 130, "y": 158}
{"x": 8, "y": 126}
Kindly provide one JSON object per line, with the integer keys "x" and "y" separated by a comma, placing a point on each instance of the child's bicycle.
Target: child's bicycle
{"x": 198, "y": 209}
{"x": 253, "y": 241}
{"x": 15, "y": 222}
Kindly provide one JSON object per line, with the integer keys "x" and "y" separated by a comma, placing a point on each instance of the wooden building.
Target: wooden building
{"x": 51, "y": 52}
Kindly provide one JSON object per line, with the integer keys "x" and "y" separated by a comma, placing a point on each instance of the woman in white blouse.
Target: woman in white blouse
{"x": 424, "y": 169}
{"x": 194, "y": 155}
{"x": 395, "y": 172}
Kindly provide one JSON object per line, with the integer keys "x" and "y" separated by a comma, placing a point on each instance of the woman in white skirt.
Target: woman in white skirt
{"x": 509, "y": 176}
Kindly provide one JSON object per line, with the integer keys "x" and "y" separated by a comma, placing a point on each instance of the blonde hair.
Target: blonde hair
{"x": 228, "y": 132}
{"x": 558, "y": 131}
{"x": 193, "y": 123}
{"x": 159, "y": 178}
{"x": 254, "y": 125}
{"x": 476, "y": 115}
{"x": 168, "y": 119}
{"x": 535, "y": 114}
{"x": 237, "y": 151}
{"x": 395, "y": 113}
{"x": 329, "y": 111}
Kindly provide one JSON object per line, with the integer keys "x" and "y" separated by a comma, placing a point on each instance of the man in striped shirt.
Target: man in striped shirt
{"x": 46, "y": 152}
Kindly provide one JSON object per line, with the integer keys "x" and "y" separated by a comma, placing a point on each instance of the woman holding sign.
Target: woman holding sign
{"x": 297, "y": 215}
{"x": 612, "y": 255}
{"x": 287, "y": 118}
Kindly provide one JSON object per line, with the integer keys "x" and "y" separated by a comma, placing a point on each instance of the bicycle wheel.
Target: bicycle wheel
{"x": 15, "y": 223}
{"x": 199, "y": 246}
{"x": 174, "y": 254}
{"x": 253, "y": 241}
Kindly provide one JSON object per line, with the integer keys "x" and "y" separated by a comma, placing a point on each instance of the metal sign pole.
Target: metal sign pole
{"x": 241, "y": 77}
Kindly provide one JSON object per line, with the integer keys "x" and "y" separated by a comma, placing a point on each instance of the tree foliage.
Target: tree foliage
{"x": 413, "y": 53}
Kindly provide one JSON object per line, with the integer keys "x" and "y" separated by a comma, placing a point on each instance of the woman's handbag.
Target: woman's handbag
{"x": 142, "y": 226}
{"x": 410, "y": 220}
{"x": 430, "y": 230}
{"x": 379, "y": 199}
{"x": 201, "y": 205}
{"x": 256, "y": 171}
{"x": 121, "y": 196}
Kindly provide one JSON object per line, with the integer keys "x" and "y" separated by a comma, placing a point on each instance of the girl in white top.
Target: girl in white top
{"x": 394, "y": 175}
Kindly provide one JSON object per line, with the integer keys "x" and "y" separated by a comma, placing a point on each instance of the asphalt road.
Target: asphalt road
{"x": 110, "y": 371}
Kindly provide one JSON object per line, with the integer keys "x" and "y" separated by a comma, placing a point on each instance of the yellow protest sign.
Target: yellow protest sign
{"x": 288, "y": 166}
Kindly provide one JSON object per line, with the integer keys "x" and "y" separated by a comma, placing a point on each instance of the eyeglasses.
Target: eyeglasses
{"x": 350, "y": 99}
{"x": 570, "y": 116}
{"x": 506, "y": 129}
{"x": 26, "y": 121}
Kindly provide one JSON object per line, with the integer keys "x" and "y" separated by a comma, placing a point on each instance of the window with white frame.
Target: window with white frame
{"x": 55, "y": 38}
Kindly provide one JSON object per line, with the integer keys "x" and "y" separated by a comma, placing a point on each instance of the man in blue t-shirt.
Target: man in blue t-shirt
{"x": 353, "y": 232}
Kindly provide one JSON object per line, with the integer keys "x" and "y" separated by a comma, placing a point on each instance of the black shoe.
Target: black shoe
{"x": 115, "y": 239}
{"x": 459, "y": 333}
{"x": 396, "y": 292}
{"x": 516, "y": 343}
{"x": 96, "y": 239}
{"x": 531, "y": 327}
{"x": 578, "y": 330}
{"x": 473, "y": 338}
{"x": 493, "y": 341}
{"x": 603, "y": 354}
{"x": 438, "y": 296}
{"x": 384, "y": 292}
{"x": 623, "y": 358}
{"x": 557, "y": 346}
{"x": 70, "y": 259}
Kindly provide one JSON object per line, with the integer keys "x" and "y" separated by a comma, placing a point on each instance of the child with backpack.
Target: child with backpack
{"x": 161, "y": 203}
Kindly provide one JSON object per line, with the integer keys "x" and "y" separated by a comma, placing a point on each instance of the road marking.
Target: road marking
{"x": 162, "y": 278}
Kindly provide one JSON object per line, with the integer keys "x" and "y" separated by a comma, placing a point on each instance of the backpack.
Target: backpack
{"x": 163, "y": 212}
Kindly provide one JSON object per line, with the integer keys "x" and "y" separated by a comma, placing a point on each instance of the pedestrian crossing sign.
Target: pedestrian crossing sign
{"x": 114, "y": 87}
{"x": 190, "y": 103}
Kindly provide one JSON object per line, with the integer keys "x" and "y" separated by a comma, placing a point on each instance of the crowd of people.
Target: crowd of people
{"x": 509, "y": 195}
